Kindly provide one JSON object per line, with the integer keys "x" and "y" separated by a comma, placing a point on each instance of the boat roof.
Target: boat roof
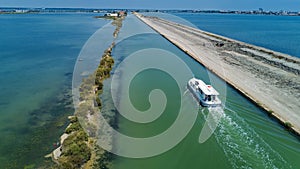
{"x": 206, "y": 89}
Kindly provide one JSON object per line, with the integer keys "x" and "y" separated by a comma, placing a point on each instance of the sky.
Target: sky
{"x": 291, "y": 5}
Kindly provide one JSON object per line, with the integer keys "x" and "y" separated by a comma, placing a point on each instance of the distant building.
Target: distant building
{"x": 116, "y": 14}
{"x": 112, "y": 14}
{"x": 21, "y": 11}
{"x": 122, "y": 13}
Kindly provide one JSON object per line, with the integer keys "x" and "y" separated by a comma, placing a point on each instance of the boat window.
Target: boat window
{"x": 196, "y": 83}
{"x": 213, "y": 98}
{"x": 209, "y": 97}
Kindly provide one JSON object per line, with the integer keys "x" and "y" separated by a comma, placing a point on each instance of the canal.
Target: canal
{"x": 246, "y": 137}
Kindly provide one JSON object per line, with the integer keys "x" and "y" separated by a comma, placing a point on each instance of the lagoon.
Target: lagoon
{"x": 38, "y": 53}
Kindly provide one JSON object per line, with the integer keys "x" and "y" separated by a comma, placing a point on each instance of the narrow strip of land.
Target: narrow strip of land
{"x": 269, "y": 78}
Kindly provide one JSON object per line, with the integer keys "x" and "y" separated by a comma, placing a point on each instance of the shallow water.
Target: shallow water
{"x": 38, "y": 53}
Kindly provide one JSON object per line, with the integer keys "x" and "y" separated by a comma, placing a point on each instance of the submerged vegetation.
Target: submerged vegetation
{"x": 79, "y": 149}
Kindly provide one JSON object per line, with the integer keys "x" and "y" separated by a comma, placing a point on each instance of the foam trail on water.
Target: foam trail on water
{"x": 185, "y": 92}
{"x": 243, "y": 147}
{"x": 212, "y": 120}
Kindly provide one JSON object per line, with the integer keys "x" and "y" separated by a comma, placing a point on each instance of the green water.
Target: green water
{"x": 245, "y": 138}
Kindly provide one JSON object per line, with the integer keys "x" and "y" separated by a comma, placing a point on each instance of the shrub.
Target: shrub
{"x": 98, "y": 101}
{"x": 270, "y": 112}
{"x": 288, "y": 125}
{"x": 73, "y": 127}
{"x": 75, "y": 155}
{"x": 73, "y": 119}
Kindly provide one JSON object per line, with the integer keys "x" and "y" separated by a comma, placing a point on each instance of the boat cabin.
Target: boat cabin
{"x": 206, "y": 93}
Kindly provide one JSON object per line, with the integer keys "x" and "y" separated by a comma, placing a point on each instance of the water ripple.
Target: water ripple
{"x": 243, "y": 147}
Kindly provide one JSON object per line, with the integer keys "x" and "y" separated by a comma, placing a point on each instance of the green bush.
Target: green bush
{"x": 75, "y": 151}
{"x": 98, "y": 101}
{"x": 73, "y": 127}
{"x": 288, "y": 125}
{"x": 99, "y": 85}
{"x": 73, "y": 119}
{"x": 270, "y": 112}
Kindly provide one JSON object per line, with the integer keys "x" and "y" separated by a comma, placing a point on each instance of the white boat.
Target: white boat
{"x": 206, "y": 95}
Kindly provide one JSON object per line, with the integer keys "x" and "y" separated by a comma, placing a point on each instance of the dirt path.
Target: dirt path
{"x": 269, "y": 78}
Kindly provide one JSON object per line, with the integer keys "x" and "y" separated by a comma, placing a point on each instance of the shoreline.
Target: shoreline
{"x": 218, "y": 46}
{"x": 78, "y": 144}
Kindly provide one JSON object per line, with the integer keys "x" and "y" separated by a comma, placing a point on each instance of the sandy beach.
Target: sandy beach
{"x": 270, "y": 79}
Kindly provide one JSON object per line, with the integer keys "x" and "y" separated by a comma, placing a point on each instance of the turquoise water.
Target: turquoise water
{"x": 245, "y": 138}
{"x": 38, "y": 53}
{"x": 279, "y": 33}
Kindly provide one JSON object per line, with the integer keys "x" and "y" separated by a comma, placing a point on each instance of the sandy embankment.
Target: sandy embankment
{"x": 269, "y": 78}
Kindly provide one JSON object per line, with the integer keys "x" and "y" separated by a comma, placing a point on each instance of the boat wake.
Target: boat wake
{"x": 243, "y": 147}
{"x": 186, "y": 90}
{"x": 212, "y": 120}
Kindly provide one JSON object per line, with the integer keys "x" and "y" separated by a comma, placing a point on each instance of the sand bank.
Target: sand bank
{"x": 270, "y": 79}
